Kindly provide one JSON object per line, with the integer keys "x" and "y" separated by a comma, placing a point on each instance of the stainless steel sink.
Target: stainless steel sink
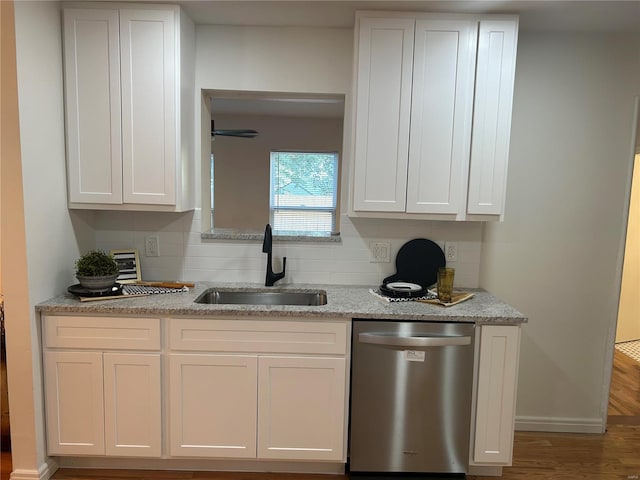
{"x": 262, "y": 297}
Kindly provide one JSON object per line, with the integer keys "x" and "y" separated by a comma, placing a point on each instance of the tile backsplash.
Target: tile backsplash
{"x": 184, "y": 255}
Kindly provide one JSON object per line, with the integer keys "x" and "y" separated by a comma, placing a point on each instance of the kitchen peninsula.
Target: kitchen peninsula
{"x": 163, "y": 370}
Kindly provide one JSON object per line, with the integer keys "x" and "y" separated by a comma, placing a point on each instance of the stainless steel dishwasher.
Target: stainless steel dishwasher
{"x": 410, "y": 397}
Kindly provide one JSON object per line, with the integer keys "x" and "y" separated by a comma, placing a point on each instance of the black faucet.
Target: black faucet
{"x": 267, "y": 248}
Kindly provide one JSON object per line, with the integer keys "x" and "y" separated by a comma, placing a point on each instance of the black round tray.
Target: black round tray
{"x": 80, "y": 291}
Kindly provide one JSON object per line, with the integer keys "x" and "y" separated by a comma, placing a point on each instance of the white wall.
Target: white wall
{"x": 269, "y": 59}
{"x": 54, "y": 237}
{"x": 556, "y": 255}
{"x": 278, "y": 59}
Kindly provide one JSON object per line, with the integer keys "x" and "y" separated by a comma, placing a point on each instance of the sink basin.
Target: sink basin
{"x": 262, "y": 297}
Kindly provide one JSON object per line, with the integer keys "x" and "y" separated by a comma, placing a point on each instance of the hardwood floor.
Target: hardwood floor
{"x": 624, "y": 398}
{"x": 614, "y": 455}
{"x": 5, "y": 465}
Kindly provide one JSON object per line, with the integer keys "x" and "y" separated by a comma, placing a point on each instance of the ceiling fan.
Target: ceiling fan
{"x": 232, "y": 133}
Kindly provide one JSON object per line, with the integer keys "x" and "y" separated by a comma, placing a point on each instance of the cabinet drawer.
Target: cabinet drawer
{"x": 259, "y": 336}
{"x": 101, "y": 332}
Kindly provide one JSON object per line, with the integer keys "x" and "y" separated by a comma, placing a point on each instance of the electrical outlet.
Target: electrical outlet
{"x": 152, "y": 246}
{"x": 451, "y": 251}
{"x": 379, "y": 252}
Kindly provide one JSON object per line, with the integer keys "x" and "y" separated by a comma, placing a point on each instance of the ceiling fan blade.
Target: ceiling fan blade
{"x": 235, "y": 133}
{"x": 232, "y": 133}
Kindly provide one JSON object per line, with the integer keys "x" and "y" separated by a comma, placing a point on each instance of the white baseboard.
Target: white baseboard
{"x": 45, "y": 472}
{"x": 559, "y": 424}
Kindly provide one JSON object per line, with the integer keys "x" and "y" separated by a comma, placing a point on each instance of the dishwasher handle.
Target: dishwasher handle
{"x": 409, "y": 341}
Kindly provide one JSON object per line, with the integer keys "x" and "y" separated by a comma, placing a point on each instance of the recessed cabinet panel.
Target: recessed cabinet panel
{"x": 300, "y": 408}
{"x": 258, "y": 336}
{"x": 62, "y": 331}
{"x": 213, "y": 405}
{"x": 74, "y": 403}
{"x": 495, "y": 407}
{"x": 492, "y": 116}
{"x": 382, "y": 122}
{"x": 92, "y": 92}
{"x": 133, "y": 419}
{"x": 440, "y": 115}
{"x": 149, "y": 113}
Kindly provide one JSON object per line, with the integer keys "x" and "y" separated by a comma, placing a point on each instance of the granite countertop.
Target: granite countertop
{"x": 343, "y": 301}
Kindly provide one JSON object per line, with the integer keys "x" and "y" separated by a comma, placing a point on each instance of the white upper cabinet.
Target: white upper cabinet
{"x": 129, "y": 132}
{"x": 442, "y": 96}
{"x": 492, "y": 116}
{"x": 432, "y": 114}
{"x": 92, "y": 94}
{"x": 149, "y": 120}
{"x": 383, "y": 106}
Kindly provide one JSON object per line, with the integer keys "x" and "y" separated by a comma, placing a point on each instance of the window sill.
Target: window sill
{"x": 231, "y": 234}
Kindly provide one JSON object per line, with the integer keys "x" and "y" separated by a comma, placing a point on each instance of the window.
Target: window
{"x": 303, "y": 192}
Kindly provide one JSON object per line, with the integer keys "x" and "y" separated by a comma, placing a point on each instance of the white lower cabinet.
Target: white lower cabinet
{"x": 271, "y": 389}
{"x": 274, "y": 392}
{"x": 496, "y": 395}
{"x": 101, "y": 402}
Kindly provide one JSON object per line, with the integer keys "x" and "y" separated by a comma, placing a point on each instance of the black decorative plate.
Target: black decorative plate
{"x": 418, "y": 262}
{"x": 80, "y": 291}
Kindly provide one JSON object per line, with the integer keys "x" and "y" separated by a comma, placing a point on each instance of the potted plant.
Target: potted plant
{"x": 96, "y": 270}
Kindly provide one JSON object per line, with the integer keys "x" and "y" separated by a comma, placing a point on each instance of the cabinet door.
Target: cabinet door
{"x": 74, "y": 403}
{"x": 383, "y": 102}
{"x": 301, "y": 407}
{"x": 495, "y": 74}
{"x": 495, "y": 408}
{"x": 149, "y": 116}
{"x": 213, "y": 405}
{"x": 92, "y": 93}
{"x": 132, "y": 404}
{"x": 441, "y": 112}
